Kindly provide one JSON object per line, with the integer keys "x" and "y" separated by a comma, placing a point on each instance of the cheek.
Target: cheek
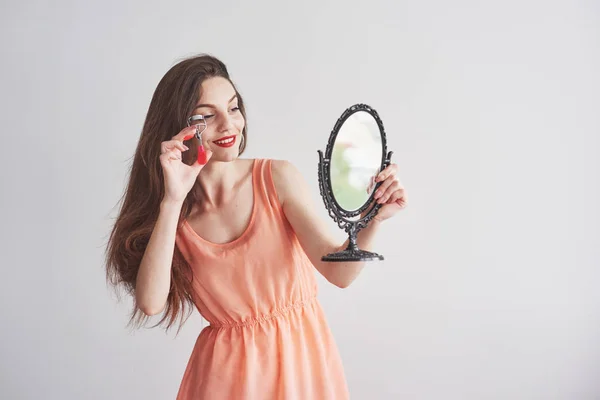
{"x": 210, "y": 133}
{"x": 240, "y": 123}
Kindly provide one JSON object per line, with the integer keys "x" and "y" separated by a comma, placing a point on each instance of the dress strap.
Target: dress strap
{"x": 267, "y": 186}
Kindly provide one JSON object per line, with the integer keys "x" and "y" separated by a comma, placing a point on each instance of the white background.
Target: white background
{"x": 489, "y": 288}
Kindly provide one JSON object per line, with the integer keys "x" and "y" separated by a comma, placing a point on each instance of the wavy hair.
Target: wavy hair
{"x": 172, "y": 103}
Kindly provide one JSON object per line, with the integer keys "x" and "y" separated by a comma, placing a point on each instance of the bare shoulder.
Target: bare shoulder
{"x": 286, "y": 178}
{"x": 283, "y": 168}
{"x": 244, "y": 165}
{"x": 245, "y": 162}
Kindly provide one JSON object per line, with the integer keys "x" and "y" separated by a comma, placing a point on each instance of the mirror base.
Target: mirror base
{"x": 352, "y": 255}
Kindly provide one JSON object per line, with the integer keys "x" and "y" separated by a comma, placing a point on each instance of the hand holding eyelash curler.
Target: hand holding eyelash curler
{"x": 202, "y": 157}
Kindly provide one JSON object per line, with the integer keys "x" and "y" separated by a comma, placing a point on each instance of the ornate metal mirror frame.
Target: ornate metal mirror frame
{"x": 346, "y": 219}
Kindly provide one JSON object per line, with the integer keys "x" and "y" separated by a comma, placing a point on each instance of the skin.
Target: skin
{"x": 223, "y": 212}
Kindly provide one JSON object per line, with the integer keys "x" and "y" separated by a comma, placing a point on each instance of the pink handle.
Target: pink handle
{"x": 202, "y": 159}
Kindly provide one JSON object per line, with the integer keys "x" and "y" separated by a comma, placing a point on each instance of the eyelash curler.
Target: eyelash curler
{"x": 202, "y": 159}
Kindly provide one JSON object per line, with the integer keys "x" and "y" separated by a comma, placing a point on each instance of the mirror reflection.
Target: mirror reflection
{"x": 355, "y": 160}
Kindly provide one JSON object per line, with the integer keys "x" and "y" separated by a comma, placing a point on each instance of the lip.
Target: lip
{"x": 226, "y": 144}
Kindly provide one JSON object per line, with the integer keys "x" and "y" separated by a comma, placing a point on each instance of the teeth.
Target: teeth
{"x": 224, "y": 141}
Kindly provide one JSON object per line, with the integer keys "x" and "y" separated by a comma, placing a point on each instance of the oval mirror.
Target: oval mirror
{"x": 356, "y": 159}
{"x": 356, "y": 152}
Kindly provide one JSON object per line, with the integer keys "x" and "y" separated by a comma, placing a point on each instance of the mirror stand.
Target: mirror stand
{"x": 343, "y": 217}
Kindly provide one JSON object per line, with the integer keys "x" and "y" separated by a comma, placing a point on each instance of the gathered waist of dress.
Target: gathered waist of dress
{"x": 278, "y": 312}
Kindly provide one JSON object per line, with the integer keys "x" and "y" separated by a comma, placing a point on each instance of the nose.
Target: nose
{"x": 226, "y": 123}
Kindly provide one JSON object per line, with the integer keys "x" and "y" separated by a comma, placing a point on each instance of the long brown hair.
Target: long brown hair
{"x": 173, "y": 101}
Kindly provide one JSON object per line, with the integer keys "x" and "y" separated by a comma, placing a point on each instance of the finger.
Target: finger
{"x": 173, "y": 154}
{"x": 185, "y": 134}
{"x": 396, "y": 197}
{"x": 164, "y": 159}
{"x": 384, "y": 187}
{"x": 387, "y": 172}
{"x": 389, "y": 191}
{"x": 172, "y": 144}
{"x": 393, "y": 197}
{"x": 402, "y": 201}
{"x": 391, "y": 169}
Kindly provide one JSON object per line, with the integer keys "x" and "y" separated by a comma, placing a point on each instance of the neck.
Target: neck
{"x": 218, "y": 181}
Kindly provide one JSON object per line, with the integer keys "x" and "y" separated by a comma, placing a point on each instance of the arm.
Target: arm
{"x": 153, "y": 281}
{"x": 312, "y": 233}
{"x": 154, "y": 275}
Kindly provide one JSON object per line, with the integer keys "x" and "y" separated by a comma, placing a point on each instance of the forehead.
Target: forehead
{"x": 216, "y": 90}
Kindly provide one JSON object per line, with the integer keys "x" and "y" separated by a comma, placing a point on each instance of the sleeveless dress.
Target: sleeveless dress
{"x": 268, "y": 337}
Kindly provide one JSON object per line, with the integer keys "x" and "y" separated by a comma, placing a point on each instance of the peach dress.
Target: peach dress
{"x": 268, "y": 337}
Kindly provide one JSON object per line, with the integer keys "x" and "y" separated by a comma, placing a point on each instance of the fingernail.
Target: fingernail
{"x": 377, "y": 194}
{"x": 188, "y": 137}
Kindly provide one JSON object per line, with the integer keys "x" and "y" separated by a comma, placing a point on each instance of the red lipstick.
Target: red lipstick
{"x": 226, "y": 141}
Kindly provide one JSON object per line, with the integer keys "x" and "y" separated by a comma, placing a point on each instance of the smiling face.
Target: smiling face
{"x": 225, "y": 122}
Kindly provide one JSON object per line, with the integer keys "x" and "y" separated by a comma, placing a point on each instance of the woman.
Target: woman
{"x": 236, "y": 238}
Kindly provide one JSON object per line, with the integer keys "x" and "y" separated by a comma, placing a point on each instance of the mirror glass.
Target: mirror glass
{"x": 355, "y": 160}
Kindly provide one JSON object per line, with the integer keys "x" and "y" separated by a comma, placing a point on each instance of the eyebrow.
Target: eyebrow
{"x": 213, "y": 106}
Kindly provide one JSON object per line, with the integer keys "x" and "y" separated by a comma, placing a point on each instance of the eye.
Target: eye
{"x": 208, "y": 116}
{"x": 235, "y": 109}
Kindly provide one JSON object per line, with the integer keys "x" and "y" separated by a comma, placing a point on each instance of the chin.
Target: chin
{"x": 225, "y": 156}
